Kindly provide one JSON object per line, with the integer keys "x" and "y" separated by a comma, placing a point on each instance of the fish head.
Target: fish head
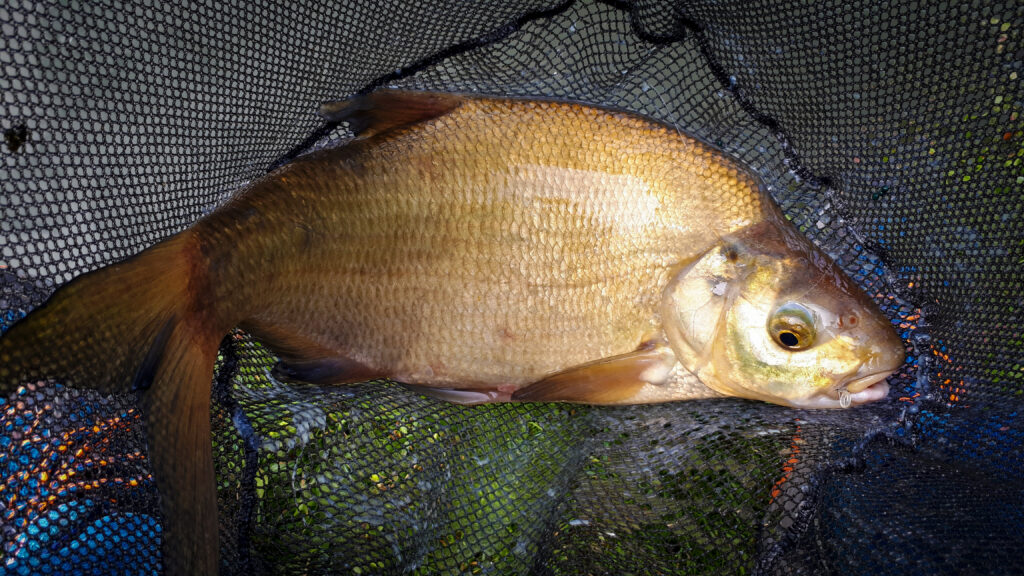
{"x": 766, "y": 315}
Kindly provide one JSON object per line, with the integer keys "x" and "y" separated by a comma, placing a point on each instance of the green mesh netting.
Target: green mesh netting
{"x": 890, "y": 133}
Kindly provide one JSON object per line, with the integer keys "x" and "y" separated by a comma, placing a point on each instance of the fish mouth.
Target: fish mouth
{"x": 861, "y": 384}
{"x": 863, "y": 390}
{"x": 866, "y": 389}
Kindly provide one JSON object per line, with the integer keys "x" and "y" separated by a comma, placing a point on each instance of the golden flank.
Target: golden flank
{"x": 484, "y": 250}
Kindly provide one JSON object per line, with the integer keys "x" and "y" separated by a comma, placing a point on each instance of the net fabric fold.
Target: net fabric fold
{"x": 891, "y": 135}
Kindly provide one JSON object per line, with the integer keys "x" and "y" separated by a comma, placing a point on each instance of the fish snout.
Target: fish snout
{"x": 886, "y": 352}
{"x": 879, "y": 347}
{"x": 878, "y": 357}
{"x": 881, "y": 358}
{"x": 868, "y": 383}
{"x": 881, "y": 352}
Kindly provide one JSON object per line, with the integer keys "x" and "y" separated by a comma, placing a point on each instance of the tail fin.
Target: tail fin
{"x": 140, "y": 326}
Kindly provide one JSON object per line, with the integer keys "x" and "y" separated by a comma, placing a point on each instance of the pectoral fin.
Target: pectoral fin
{"x": 614, "y": 380}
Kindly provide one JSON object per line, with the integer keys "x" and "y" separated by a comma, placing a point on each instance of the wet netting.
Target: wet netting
{"x": 890, "y": 134}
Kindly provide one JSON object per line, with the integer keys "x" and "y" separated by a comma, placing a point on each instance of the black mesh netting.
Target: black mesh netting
{"x": 890, "y": 133}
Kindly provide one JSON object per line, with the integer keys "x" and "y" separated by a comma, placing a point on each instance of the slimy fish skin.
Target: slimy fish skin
{"x": 480, "y": 249}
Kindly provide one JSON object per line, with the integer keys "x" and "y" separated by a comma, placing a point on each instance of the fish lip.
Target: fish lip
{"x": 863, "y": 390}
{"x": 879, "y": 390}
{"x": 876, "y": 391}
{"x": 861, "y": 384}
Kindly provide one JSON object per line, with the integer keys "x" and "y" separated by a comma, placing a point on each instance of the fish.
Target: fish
{"x": 480, "y": 249}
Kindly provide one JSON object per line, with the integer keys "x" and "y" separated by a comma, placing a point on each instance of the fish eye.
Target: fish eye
{"x": 789, "y": 339}
{"x": 792, "y": 327}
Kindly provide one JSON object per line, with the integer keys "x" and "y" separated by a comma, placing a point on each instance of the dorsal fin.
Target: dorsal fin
{"x": 385, "y": 110}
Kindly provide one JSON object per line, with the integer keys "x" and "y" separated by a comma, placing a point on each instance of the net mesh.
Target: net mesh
{"x": 890, "y": 134}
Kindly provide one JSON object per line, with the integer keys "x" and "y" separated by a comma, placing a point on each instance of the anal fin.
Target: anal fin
{"x": 613, "y": 380}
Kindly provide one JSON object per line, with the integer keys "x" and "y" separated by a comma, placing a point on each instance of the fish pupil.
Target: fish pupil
{"x": 789, "y": 339}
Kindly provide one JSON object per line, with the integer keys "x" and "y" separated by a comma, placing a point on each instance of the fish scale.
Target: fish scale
{"x": 558, "y": 234}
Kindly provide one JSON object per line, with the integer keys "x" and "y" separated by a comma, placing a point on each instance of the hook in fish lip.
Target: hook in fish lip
{"x": 845, "y": 398}
{"x": 868, "y": 389}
